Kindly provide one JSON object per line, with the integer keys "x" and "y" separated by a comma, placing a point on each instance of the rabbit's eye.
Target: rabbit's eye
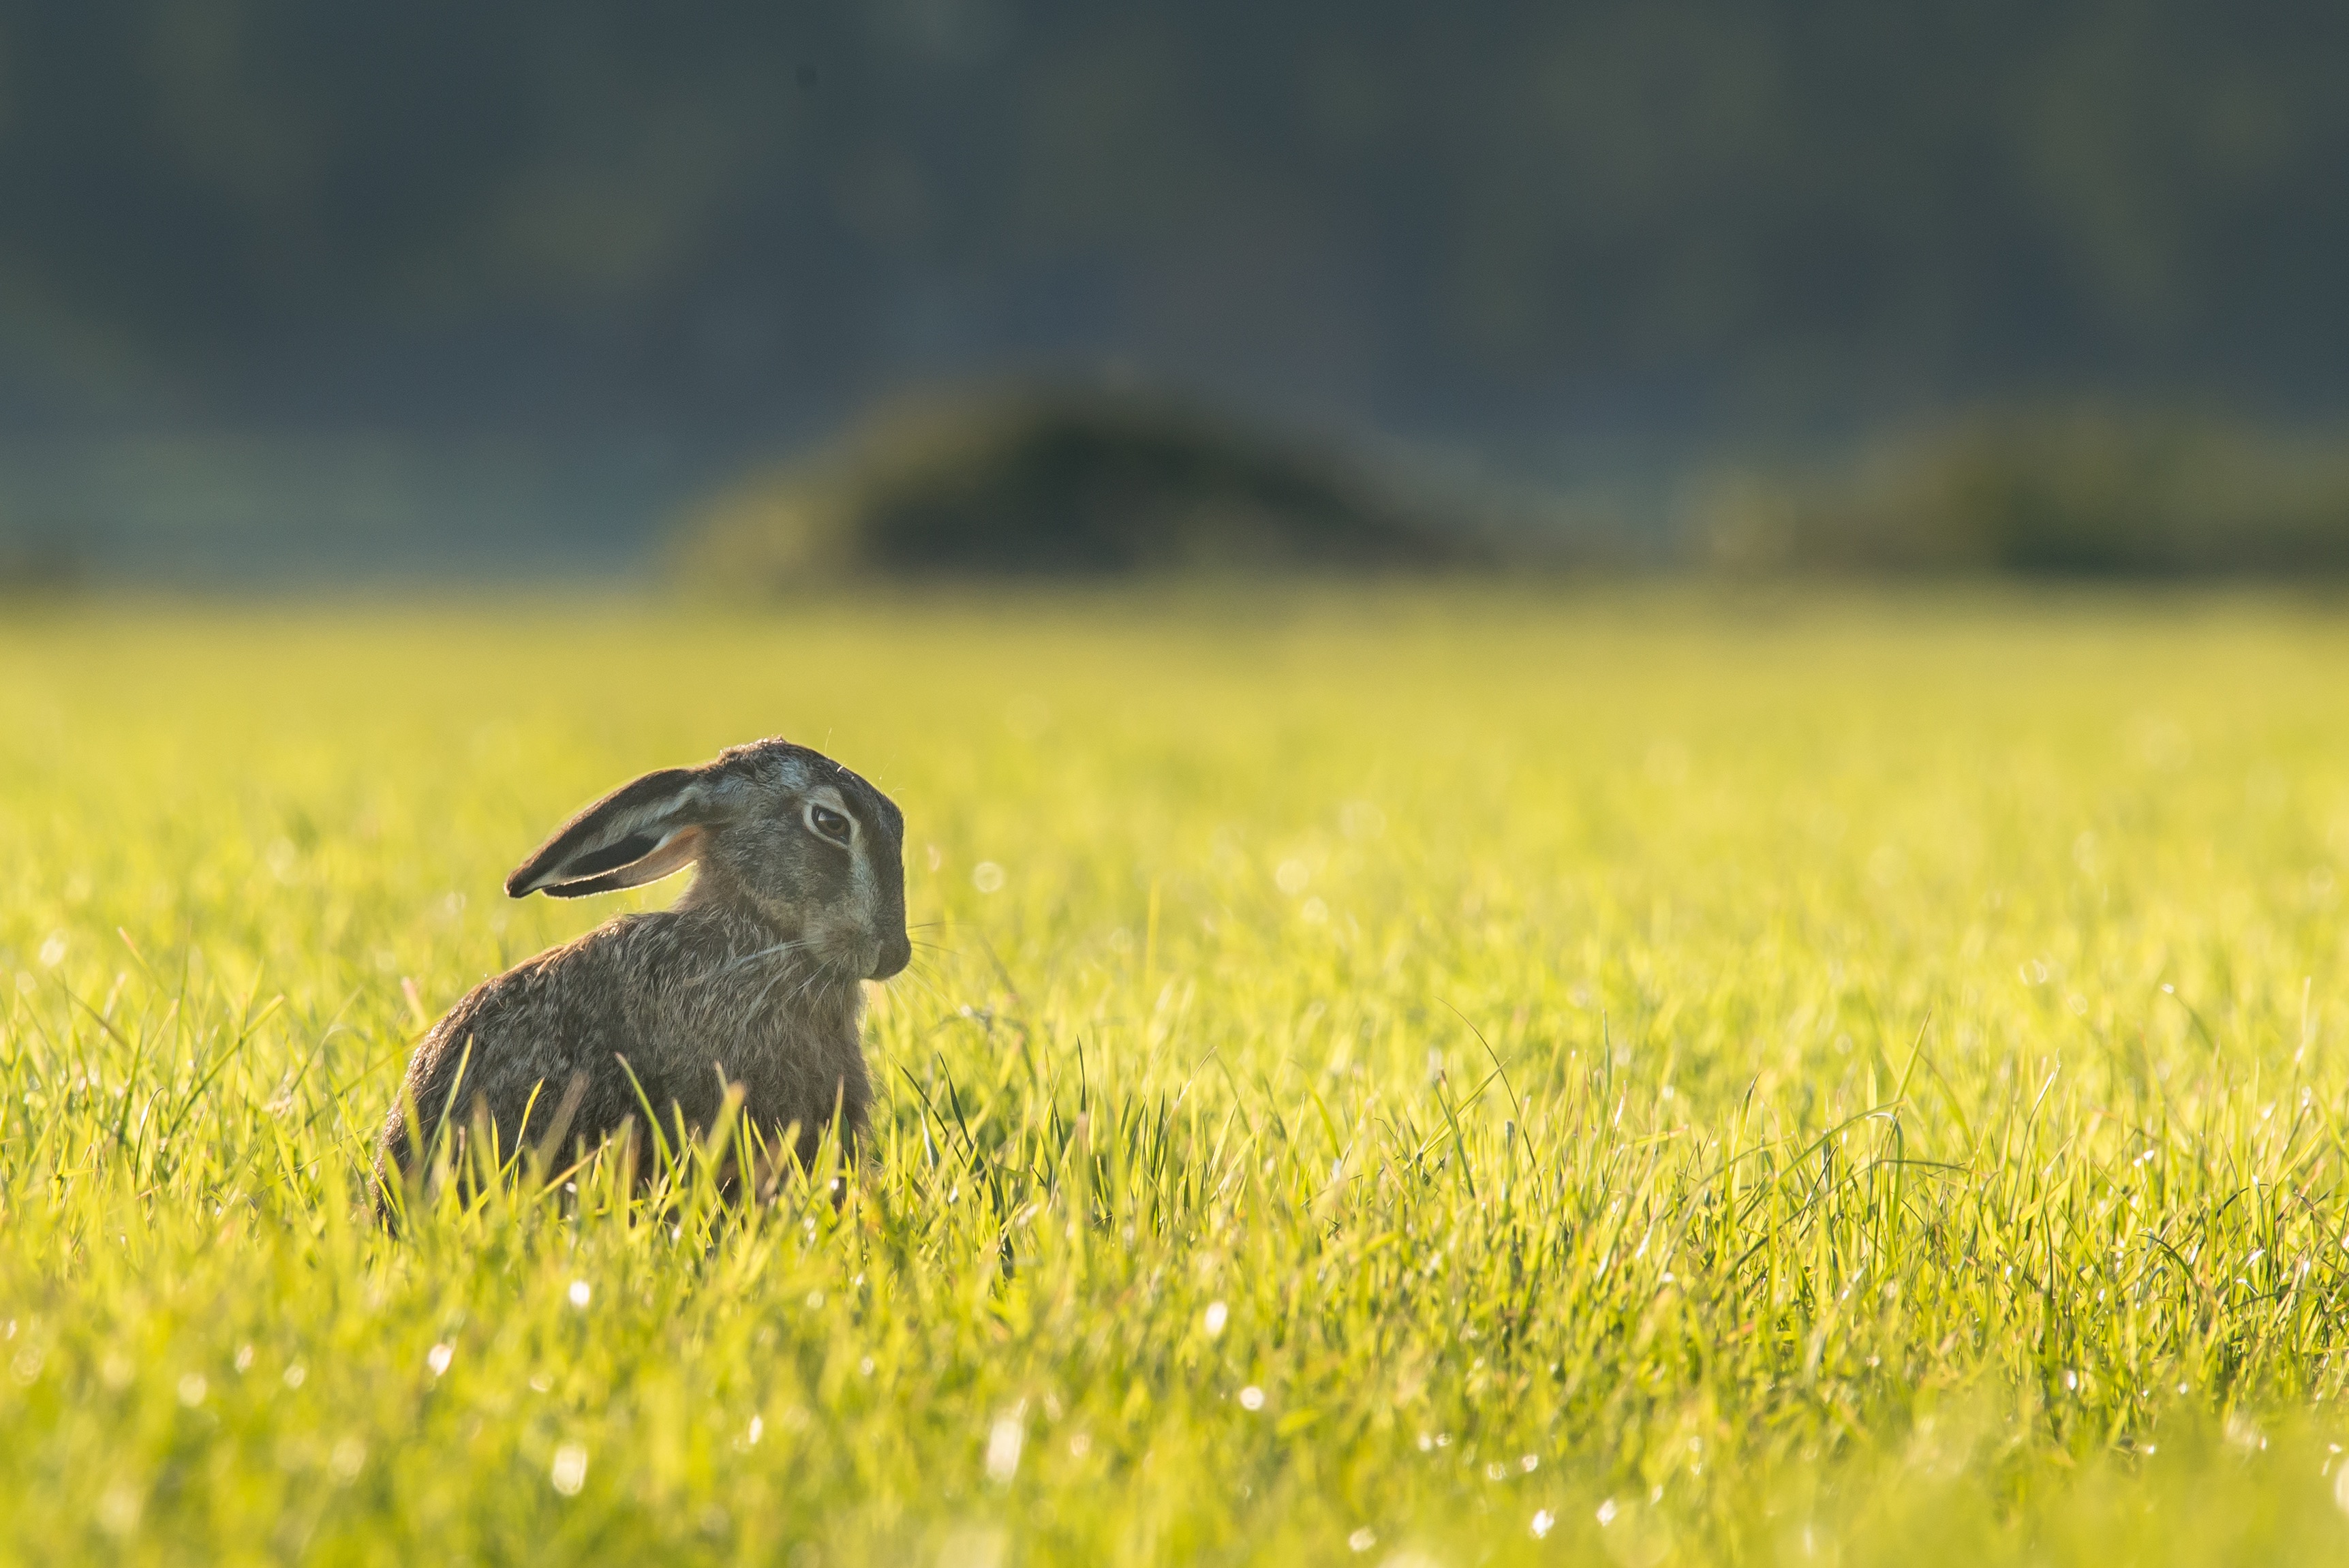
{"x": 828, "y": 823}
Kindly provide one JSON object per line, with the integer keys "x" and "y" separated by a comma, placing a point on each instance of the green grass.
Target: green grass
{"x": 1443, "y": 1079}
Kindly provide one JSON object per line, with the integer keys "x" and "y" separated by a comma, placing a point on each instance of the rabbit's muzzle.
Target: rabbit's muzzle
{"x": 855, "y": 949}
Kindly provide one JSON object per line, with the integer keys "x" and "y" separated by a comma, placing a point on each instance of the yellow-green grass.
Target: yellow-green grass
{"x": 1448, "y": 1078}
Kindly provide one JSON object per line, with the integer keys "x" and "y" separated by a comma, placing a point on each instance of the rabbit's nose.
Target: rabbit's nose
{"x": 897, "y": 952}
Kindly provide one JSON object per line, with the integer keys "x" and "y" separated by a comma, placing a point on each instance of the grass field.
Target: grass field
{"x": 1418, "y": 1080}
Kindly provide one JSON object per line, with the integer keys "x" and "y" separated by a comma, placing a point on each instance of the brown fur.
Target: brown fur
{"x": 754, "y": 978}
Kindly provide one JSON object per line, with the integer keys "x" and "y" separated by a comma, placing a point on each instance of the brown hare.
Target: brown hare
{"x": 753, "y": 978}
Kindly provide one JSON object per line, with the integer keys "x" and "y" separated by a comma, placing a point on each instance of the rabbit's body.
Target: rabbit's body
{"x": 755, "y": 977}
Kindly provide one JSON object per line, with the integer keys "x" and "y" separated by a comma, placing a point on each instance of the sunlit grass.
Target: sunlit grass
{"x": 1447, "y": 1077}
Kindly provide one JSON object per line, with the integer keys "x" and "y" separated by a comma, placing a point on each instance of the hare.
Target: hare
{"x": 753, "y": 978}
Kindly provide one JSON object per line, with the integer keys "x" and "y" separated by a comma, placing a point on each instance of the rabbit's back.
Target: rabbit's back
{"x": 513, "y": 1049}
{"x": 660, "y": 1010}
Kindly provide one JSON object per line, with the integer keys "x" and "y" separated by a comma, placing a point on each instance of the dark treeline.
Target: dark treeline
{"x": 740, "y": 222}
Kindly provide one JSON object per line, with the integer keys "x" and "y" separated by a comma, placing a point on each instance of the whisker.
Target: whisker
{"x": 928, "y": 984}
{"x": 756, "y": 954}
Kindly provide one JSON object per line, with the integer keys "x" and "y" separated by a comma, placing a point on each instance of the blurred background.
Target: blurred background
{"x": 762, "y": 294}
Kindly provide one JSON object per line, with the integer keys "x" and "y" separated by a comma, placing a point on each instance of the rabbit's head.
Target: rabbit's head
{"x": 813, "y": 850}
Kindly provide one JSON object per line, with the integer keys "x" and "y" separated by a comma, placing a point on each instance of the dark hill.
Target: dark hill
{"x": 1055, "y": 482}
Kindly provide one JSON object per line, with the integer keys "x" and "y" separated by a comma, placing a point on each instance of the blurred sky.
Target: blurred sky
{"x": 569, "y": 261}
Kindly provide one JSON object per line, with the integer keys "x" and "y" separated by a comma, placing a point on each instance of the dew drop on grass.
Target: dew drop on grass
{"x": 192, "y": 1388}
{"x": 569, "y": 1473}
{"x": 294, "y": 1374}
{"x": 439, "y": 1357}
{"x": 986, "y": 877}
{"x": 118, "y": 1509}
{"x": 1362, "y": 1539}
{"x": 1004, "y": 1442}
{"x": 1252, "y": 1397}
{"x": 1607, "y": 1511}
{"x": 1543, "y": 1521}
{"x": 1212, "y": 1320}
{"x": 580, "y": 1293}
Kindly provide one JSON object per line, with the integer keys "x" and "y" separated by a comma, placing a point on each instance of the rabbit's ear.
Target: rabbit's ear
{"x": 638, "y": 833}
